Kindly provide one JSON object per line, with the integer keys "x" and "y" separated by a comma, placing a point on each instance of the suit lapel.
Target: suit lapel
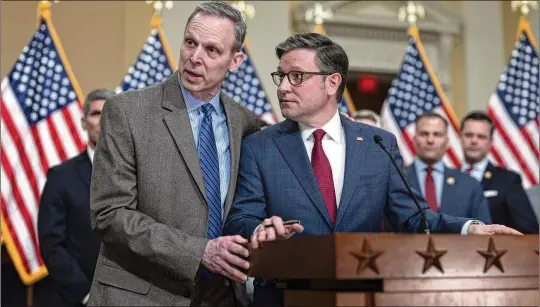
{"x": 177, "y": 121}
{"x": 486, "y": 180}
{"x": 293, "y": 150}
{"x": 84, "y": 167}
{"x": 355, "y": 153}
{"x": 413, "y": 178}
{"x": 449, "y": 190}
{"x": 235, "y": 139}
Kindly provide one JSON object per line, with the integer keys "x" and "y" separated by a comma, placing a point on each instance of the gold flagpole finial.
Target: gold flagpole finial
{"x": 317, "y": 14}
{"x": 247, "y": 10}
{"x": 524, "y": 6}
{"x": 159, "y": 5}
{"x": 44, "y": 10}
{"x": 411, "y": 12}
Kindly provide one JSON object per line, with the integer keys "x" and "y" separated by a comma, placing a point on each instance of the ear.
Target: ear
{"x": 83, "y": 124}
{"x": 237, "y": 60}
{"x": 332, "y": 83}
{"x": 446, "y": 141}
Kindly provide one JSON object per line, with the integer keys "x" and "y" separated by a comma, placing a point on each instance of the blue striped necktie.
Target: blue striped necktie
{"x": 208, "y": 159}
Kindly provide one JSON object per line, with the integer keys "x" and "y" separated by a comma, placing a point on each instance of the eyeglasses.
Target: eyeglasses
{"x": 295, "y": 77}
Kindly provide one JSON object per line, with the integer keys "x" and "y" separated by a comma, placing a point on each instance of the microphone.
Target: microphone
{"x": 378, "y": 140}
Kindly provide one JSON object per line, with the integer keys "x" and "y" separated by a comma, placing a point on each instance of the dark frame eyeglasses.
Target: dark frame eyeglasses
{"x": 295, "y": 77}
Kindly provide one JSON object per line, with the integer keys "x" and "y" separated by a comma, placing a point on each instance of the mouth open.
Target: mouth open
{"x": 191, "y": 75}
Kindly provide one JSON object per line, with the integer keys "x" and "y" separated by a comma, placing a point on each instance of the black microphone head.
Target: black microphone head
{"x": 378, "y": 139}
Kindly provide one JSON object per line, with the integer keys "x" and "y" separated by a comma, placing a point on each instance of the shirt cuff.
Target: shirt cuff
{"x": 465, "y": 228}
{"x": 256, "y": 228}
{"x": 85, "y": 299}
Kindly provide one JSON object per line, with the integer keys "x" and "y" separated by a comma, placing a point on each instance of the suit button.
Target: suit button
{"x": 227, "y": 283}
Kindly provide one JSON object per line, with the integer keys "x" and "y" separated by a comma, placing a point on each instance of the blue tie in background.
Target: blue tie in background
{"x": 208, "y": 159}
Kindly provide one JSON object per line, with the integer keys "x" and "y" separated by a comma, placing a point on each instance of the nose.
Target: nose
{"x": 285, "y": 85}
{"x": 195, "y": 55}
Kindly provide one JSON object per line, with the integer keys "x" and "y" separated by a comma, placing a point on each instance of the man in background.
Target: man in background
{"x": 446, "y": 190}
{"x": 69, "y": 247}
{"x": 368, "y": 117}
{"x": 508, "y": 202}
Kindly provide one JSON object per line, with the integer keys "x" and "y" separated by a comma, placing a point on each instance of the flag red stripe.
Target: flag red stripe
{"x": 452, "y": 156}
{"x": 510, "y": 145}
{"x": 21, "y": 152}
{"x": 56, "y": 139}
{"x": 497, "y": 157}
{"x": 72, "y": 129}
{"x": 409, "y": 142}
{"x": 14, "y": 236}
{"x": 530, "y": 142}
{"x": 41, "y": 152}
{"x": 15, "y": 190}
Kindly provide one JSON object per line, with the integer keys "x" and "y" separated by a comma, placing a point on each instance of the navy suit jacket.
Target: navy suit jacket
{"x": 463, "y": 198}
{"x": 276, "y": 178}
{"x": 69, "y": 247}
{"x": 511, "y": 206}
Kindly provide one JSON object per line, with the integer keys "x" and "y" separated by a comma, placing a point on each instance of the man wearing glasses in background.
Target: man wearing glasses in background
{"x": 320, "y": 168}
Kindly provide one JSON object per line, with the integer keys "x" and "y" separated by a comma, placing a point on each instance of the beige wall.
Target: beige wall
{"x": 99, "y": 51}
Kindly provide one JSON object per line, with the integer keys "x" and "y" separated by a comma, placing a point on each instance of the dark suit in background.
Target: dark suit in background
{"x": 461, "y": 195}
{"x": 509, "y": 205}
{"x": 69, "y": 247}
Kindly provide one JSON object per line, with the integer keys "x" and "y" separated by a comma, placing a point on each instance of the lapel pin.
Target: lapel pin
{"x": 487, "y": 175}
{"x": 360, "y": 139}
{"x": 450, "y": 180}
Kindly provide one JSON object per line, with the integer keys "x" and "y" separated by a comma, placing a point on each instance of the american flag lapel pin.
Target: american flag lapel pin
{"x": 360, "y": 139}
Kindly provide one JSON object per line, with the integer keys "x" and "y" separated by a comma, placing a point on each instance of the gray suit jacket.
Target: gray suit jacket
{"x": 148, "y": 201}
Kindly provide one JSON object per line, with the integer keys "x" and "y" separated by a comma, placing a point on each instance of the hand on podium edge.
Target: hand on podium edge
{"x": 495, "y": 229}
{"x": 227, "y": 256}
{"x": 273, "y": 229}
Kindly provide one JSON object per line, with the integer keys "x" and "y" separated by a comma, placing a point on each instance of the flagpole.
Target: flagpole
{"x": 524, "y": 7}
{"x": 156, "y": 24}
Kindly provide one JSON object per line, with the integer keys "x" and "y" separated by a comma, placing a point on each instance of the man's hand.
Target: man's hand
{"x": 277, "y": 231}
{"x": 225, "y": 255}
{"x": 492, "y": 230}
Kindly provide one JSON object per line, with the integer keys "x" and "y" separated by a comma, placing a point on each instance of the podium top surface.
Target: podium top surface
{"x": 377, "y": 256}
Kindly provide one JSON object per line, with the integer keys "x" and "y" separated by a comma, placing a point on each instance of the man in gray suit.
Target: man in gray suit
{"x": 164, "y": 176}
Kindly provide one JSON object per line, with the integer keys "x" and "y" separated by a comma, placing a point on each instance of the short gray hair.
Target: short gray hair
{"x": 329, "y": 56}
{"x": 223, "y": 10}
{"x": 368, "y": 114}
{"x": 99, "y": 94}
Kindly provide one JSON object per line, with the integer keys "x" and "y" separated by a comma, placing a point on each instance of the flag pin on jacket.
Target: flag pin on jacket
{"x": 360, "y": 139}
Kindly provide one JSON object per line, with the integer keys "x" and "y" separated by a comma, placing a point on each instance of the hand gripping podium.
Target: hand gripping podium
{"x": 402, "y": 270}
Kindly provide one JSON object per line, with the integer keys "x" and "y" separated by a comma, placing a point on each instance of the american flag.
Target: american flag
{"x": 245, "y": 87}
{"x": 514, "y": 109}
{"x": 416, "y": 90}
{"x": 153, "y": 65}
{"x": 40, "y": 127}
{"x": 346, "y": 105}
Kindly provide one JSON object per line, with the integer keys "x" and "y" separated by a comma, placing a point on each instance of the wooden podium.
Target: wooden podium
{"x": 402, "y": 270}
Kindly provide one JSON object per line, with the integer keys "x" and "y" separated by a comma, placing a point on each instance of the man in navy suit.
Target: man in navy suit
{"x": 503, "y": 189}
{"x": 446, "y": 190}
{"x": 69, "y": 247}
{"x": 320, "y": 168}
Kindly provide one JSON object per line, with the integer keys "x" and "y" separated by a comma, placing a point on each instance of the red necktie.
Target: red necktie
{"x": 431, "y": 195}
{"x": 323, "y": 173}
{"x": 469, "y": 170}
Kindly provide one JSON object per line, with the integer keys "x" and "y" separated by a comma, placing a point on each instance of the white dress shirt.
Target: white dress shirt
{"x": 333, "y": 144}
{"x": 91, "y": 151}
{"x": 478, "y": 169}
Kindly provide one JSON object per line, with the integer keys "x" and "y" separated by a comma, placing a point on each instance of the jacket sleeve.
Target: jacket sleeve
{"x": 52, "y": 231}
{"x": 114, "y": 201}
{"x": 520, "y": 209}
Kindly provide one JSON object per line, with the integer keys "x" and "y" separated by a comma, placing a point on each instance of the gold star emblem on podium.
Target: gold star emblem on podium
{"x": 432, "y": 257}
{"x": 493, "y": 256}
{"x": 366, "y": 258}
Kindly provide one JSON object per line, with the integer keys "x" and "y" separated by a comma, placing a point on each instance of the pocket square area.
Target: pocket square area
{"x": 491, "y": 193}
